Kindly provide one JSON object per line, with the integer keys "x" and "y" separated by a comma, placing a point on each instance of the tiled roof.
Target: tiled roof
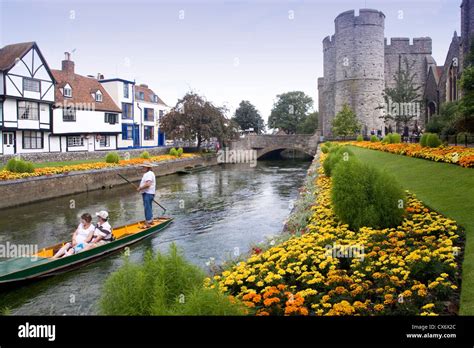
{"x": 10, "y": 53}
{"x": 82, "y": 90}
{"x": 148, "y": 93}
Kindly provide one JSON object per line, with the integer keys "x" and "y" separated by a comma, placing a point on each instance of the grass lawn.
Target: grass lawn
{"x": 447, "y": 188}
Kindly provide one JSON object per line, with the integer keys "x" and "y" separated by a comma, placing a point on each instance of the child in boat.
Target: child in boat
{"x": 103, "y": 230}
{"x": 80, "y": 238}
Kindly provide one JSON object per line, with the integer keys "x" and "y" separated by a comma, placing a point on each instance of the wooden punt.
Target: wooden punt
{"x": 191, "y": 169}
{"x": 42, "y": 264}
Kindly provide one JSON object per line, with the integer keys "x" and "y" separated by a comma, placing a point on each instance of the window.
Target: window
{"x": 104, "y": 141}
{"x": 125, "y": 90}
{"x": 1, "y": 113}
{"x": 75, "y": 141}
{"x": 68, "y": 92}
{"x": 31, "y": 85}
{"x": 141, "y": 96}
{"x": 110, "y": 118}
{"x": 127, "y": 111}
{"x": 98, "y": 97}
{"x": 149, "y": 132}
{"x": 149, "y": 114}
{"x": 32, "y": 140}
{"x": 127, "y": 131}
{"x": 28, "y": 110}
{"x": 69, "y": 114}
{"x": 155, "y": 98}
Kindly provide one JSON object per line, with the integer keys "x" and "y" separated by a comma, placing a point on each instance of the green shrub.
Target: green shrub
{"x": 165, "y": 284}
{"x": 329, "y": 144}
{"x": 395, "y": 138}
{"x": 392, "y": 138}
{"x": 179, "y": 152}
{"x": 145, "y": 155}
{"x": 374, "y": 139}
{"x": 173, "y": 152}
{"x": 207, "y": 302}
{"x": 423, "y": 139}
{"x": 334, "y": 157}
{"x": 433, "y": 140}
{"x": 19, "y": 166}
{"x": 360, "y": 138}
{"x": 324, "y": 149}
{"x": 364, "y": 196}
{"x": 112, "y": 157}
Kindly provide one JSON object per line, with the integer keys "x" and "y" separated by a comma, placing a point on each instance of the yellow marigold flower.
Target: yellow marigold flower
{"x": 433, "y": 285}
{"x": 260, "y": 283}
{"x": 428, "y": 306}
{"x": 379, "y": 307}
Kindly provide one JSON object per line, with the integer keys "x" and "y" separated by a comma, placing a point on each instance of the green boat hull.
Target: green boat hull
{"x": 19, "y": 270}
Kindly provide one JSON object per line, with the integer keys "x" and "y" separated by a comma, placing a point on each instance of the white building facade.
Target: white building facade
{"x": 85, "y": 117}
{"x": 142, "y": 110}
{"x": 26, "y": 99}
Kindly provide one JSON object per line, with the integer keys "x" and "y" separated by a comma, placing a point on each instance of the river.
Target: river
{"x": 217, "y": 213}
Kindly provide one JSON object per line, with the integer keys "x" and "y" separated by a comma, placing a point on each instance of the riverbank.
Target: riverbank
{"x": 35, "y": 189}
{"x": 328, "y": 269}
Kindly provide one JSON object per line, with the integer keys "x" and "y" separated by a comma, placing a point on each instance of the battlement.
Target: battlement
{"x": 366, "y": 17}
{"x": 329, "y": 42}
{"x": 420, "y": 45}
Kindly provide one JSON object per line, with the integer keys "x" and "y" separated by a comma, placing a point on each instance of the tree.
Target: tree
{"x": 247, "y": 116}
{"x": 194, "y": 118}
{"x": 289, "y": 111}
{"x": 345, "y": 123}
{"x": 310, "y": 124}
{"x": 403, "y": 100}
{"x": 465, "y": 123}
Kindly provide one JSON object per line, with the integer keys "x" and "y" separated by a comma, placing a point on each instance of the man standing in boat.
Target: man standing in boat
{"x": 147, "y": 188}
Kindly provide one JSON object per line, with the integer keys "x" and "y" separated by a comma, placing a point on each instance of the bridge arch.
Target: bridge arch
{"x": 265, "y": 151}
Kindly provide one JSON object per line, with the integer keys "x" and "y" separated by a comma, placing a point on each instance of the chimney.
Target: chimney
{"x": 143, "y": 85}
{"x": 100, "y": 76}
{"x": 67, "y": 63}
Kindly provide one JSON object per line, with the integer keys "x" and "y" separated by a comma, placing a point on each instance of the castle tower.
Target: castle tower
{"x": 467, "y": 25}
{"x": 354, "y": 69}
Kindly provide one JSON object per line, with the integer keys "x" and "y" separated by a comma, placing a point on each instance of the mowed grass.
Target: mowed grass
{"x": 446, "y": 188}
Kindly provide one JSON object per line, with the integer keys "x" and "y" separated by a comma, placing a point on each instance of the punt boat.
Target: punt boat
{"x": 42, "y": 264}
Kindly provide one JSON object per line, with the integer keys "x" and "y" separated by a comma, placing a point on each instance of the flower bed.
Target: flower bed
{"x": 409, "y": 270}
{"x": 450, "y": 154}
{"x": 7, "y": 175}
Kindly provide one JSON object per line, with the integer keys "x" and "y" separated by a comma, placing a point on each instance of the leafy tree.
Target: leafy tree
{"x": 194, "y": 118}
{"x": 289, "y": 111}
{"x": 310, "y": 124}
{"x": 404, "y": 96}
{"x": 247, "y": 116}
{"x": 445, "y": 122}
{"x": 466, "y": 104}
{"x": 345, "y": 123}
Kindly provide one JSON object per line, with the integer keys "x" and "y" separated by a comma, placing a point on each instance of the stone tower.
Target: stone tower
{"x": 354, "y": 69}
{"x": 467, "y": 26}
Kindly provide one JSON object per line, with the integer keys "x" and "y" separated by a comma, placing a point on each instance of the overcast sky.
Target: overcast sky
{"x": 225, "y": 50}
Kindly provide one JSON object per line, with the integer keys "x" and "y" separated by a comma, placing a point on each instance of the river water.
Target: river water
{"x": 217, "y": 213}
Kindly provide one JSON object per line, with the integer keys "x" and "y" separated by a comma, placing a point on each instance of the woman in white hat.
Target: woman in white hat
{"x": 147, "y": 188}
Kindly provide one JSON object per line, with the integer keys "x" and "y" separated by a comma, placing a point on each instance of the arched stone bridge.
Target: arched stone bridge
{"x": 265, "y": 144}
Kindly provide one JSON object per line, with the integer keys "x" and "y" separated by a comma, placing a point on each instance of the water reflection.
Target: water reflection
{"x": 215, "y": 211}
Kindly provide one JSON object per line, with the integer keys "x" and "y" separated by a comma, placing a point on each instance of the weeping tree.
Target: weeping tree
{"x": 403, "y": 101}
{"x": 194, "y": 118}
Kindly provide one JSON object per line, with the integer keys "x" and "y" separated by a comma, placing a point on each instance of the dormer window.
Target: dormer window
{"x": 141, "y": 96}
{"x": 67, "y": 91}
{"x": 98, "y": 96}
{"x": 155, "y": 98}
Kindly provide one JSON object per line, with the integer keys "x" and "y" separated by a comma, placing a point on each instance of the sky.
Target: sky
{"x": 228, "y": 51}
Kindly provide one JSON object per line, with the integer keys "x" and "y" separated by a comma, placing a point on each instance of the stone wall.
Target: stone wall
{"x": 24, "y": 191}
{"x": 81, "y": 155}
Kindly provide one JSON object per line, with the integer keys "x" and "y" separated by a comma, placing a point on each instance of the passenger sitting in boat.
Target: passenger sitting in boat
{"x": 103, "y": 230}
{"x": 80, "y": 238}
